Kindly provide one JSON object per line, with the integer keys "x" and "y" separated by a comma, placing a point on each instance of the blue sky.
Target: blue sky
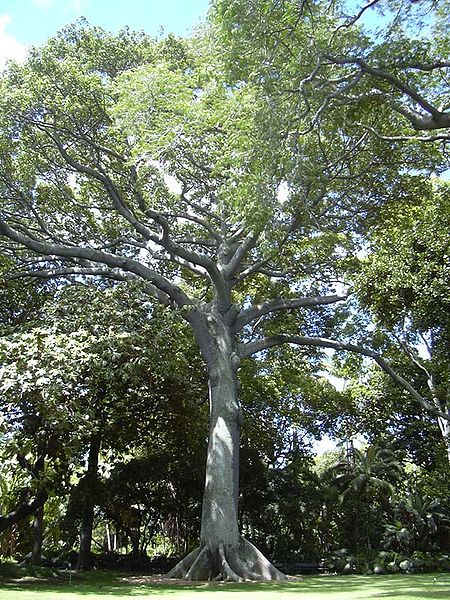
{"x": 30, "y": 22}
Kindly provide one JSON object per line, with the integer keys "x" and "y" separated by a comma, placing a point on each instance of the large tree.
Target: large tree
{"x": 140, "y": 163}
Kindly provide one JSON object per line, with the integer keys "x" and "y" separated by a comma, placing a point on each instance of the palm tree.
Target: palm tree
{"x": 368, "y": 476}
{"x": 369, "y": 470}
{"x": 418, "y": 520}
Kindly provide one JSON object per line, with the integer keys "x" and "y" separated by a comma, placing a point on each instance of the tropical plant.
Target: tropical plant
{"x": 366, "y": 482}
{"x": 418, "y": 520}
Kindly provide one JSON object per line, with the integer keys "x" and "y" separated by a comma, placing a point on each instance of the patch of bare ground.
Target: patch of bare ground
{"x": 28, "y": 579}
{"x": 162, "y": 580}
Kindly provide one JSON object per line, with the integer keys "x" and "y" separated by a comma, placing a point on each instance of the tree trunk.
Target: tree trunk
{"x": 444, "y": 426}
{"x": 108, "y": 538}
{"x": 87, "y": 520}
{"x": 223, "y": 552}
{"x": 135, "y": 537}
{"x": 38, "y": 531}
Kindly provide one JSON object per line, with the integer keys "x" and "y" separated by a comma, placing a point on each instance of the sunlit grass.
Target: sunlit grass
{"x": 115, "y": 586}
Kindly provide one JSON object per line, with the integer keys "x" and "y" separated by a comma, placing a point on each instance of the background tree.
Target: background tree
{"x": 88, "y": 384}
{"x": 404, "y": 283}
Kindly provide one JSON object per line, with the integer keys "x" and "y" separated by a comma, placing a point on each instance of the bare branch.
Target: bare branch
{"x": 436, "y": 119}
{"x": 193, "y": 241}
{"x": 113, "y": 192}
{"x": 195, "y": 219}
{"x": 415, "y": 359}
{"x": 268, "y": 272}
{"x": 332, "y": 96}
{"x": 165, "y": 241}
{"x": 26, "y": 508}
{"x": 352, "y": 20}
{"x": 261, "y": 265}
{"x": 245, "y": 246}
{"x": 427, "y": 344}
{"x": 104, "y": 273}
{"x": 176, "y": 260}
{"x": 438, "y": 64}
{"x": 392, "y": 79}
{"x": 412, "y": 355}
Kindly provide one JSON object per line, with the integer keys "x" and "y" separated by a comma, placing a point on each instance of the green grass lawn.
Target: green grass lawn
{"x": 43, "y": 585}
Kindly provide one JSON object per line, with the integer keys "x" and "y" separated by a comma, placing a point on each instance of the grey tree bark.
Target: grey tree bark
{"x": 223, "y": 553}
{"x": 444, "y": 427}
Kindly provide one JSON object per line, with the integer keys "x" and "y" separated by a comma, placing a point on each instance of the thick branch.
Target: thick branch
{"x": 414, "y": 358}
{"x": 150, "y": 289}
{"x": 245, "y": 246}
{"x": 195, "y": 241}
{"x": 419, "y": 121}
{"x": 392, "y": 79}
{"x": 438, "y": 64}
{"x": 271, "y": 306}
{"x": 97, "y": 256}
{"x": 435, "y": 119}
{"x": 165, "y": 241}
{"x": 195, "y": 219}
{"x": 406, "y": 138}
{"x": 261, "y": 265}
{"x": 23, "y": 510}
{"x": 352, "y": 20}
{"x": 254, "y": 347}
{"x": 359, "y": 14}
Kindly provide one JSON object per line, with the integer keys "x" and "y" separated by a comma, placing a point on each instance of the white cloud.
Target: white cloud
{"x": 10, "y": 47}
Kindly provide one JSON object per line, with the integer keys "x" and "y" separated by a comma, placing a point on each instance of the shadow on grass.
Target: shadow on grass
{"x": 420, "y": 587}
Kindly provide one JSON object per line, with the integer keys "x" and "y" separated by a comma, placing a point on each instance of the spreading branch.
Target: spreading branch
{"x": 129, "y": 265}
{"x": 189, "y": 257}
{"x": 434, "y": 119}
{"x": 271, "y": 306}
{"x": 353, "y": 19}
{"x": 442, "y": 137}
{"x": 25, "y": 509}
{"x": 250, "y": 348}
{"x": 104, "y": 273}
{"x": 242, "y": 249}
